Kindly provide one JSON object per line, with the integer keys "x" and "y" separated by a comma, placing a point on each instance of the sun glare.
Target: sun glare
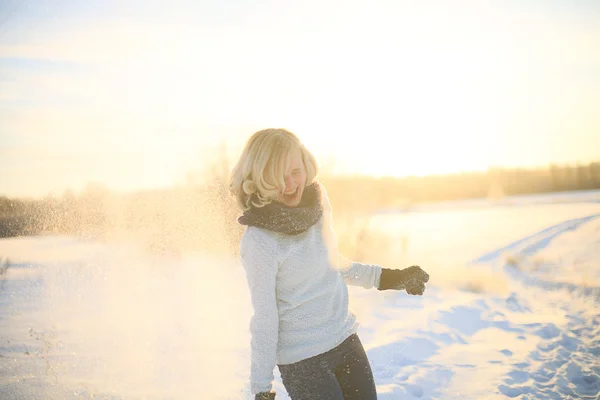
{"x": 420, "y": 91}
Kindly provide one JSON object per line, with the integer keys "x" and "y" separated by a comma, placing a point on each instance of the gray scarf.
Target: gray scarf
{"x": 278, "y": 217}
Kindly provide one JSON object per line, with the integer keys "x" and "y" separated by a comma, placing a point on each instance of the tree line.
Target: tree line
{"x": 204, "y": 216}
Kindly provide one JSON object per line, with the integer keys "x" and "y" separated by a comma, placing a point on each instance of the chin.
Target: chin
{"x": 293, "y": 204}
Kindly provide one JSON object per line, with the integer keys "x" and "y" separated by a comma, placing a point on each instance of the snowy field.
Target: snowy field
{"x": 512, "y": 310}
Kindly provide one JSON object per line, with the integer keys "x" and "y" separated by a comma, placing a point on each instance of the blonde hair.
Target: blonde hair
{"x": 260, "y": 171}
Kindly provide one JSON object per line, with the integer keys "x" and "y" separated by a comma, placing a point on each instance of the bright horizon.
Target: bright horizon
{"x": 137, "y": 96}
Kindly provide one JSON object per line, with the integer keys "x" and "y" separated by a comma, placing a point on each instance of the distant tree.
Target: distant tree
{"x": 594, "y": 172}
{"x": 555, "y": 176}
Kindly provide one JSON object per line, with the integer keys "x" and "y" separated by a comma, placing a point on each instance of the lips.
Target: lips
{"x": 291, "y": 197}
{"x": 291, "y": 194}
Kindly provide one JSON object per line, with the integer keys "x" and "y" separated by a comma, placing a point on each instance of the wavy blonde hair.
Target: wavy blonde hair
{"x": 260, "y": 171}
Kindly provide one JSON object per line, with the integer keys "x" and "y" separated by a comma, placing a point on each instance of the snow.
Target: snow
{"x": 511, "y": 311}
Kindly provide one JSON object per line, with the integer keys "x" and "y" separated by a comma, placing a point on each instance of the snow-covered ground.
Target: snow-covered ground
{"x": 512, "y": 310}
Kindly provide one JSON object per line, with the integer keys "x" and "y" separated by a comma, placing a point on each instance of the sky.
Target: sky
{"x": 137, "y": 94}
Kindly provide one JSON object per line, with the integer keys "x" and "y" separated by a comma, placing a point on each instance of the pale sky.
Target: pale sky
{"x": 134, "y": 96}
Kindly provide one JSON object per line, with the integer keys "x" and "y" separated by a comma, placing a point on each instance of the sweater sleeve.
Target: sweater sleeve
{"x": 258, "y": 255}
{"x": 358, "y": 274}
{"x": 354, "y": 273}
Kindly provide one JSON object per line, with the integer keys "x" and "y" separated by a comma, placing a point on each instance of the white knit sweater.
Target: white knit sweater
{"x": 298, "y": 289}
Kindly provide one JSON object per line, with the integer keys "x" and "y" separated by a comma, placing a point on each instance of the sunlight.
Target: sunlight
{"x": 420, "y": 91}
{"x": 126, "y": 270}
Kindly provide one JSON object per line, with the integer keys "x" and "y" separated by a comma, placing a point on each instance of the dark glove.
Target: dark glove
{"x": 412, "y": 279}
{"x": 265, "y": 396}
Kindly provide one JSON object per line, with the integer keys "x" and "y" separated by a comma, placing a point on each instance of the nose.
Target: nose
{"x": 289, "y": 182}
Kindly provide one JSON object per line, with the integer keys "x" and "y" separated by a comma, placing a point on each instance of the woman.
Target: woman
{"x": 297, "y": 280}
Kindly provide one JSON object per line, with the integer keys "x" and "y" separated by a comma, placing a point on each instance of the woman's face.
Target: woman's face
{"x": 295, "y": 181}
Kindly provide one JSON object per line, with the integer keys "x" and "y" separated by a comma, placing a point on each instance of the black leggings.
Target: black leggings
{"x": 343, "y": 373}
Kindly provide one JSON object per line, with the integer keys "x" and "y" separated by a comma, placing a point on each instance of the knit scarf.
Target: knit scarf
{"x": 278, "y": 217}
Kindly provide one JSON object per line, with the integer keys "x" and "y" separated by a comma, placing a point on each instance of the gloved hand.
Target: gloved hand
{"x": 265, "y": 396}
{"x": 412, "y": 279}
